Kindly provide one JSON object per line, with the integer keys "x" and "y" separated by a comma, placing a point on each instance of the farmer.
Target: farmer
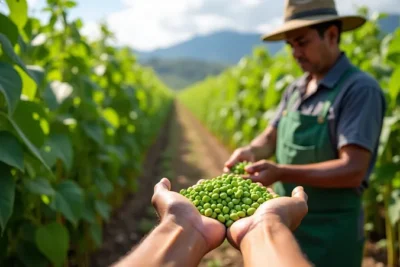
{"x": 325, "y": 134}
{"x": 184, "y": 236}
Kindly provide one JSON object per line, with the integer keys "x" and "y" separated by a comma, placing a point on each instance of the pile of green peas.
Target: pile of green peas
{"x": 227, "y": 198}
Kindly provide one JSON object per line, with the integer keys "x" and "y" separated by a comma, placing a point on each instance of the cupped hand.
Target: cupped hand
{"x": 288, "y": 210}
{"x": 173, "y": 205}
{"x": 239, "y": 155}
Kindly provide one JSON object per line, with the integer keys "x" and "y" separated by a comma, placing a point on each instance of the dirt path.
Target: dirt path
{"x": 184, "y": 152}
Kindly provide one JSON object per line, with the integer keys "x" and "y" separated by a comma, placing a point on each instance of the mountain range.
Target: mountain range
{"x": 219, "y": 50}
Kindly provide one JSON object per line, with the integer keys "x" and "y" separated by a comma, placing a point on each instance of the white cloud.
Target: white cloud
{"x": 150, "y": 24}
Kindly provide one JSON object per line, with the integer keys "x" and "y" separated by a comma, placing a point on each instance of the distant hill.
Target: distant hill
{"x": 223, "y": 46}
{"x": 179, "y": 73}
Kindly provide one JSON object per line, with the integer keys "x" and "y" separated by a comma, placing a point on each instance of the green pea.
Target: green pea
{"x": 207, "y": 206}
{"x": 255, "y": 197}
{"x": 225, "y": 210}
{"x": 246, "y": 194}
{"x": 213, "y": 206}
{"x": 202, "y": 211}
{"x": 229, "y": 223}
{"x": 224, "y": 203}
{"x": 221, "y": 218}
{"x": 233, "y": 211}
{"x": 196, "y": 202}
{"x": 223, "y": 195}
{"x": 255, "y": 205}
{"x": 228, "y": 199}
{"x": 215, "y": 196}
{"x": 230, "y": 205}
{"x": 226, "y": 216}
{"x": 230, "y": 192}
{"x": 238, "y": 207}
{"x": 208, "y": 212}
{"x": 247, "y": 201}
{"x": 210, "y": 188}
{"x": 214, "y": 215}
{"x": 234, "y": 216}
{"x": 216, "y": 191}
{"x": 217, "y": 210}
{"x": 241, "y": 214}
{"x": 206, "y": 199}
{"x": 251, "y": 211}
{"x": 260, "y": 200}
{"x": 235, "y": 201}
{"x": 220, "y": 206}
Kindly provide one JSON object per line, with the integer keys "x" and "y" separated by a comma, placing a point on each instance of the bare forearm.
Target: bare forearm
{"x": 274, "y": 243}
{"x": 168, "y": 245}
{"x": 264, "y": 145}
{"x": 329, "y": 174}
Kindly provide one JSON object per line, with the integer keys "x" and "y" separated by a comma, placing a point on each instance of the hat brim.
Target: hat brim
{"x": 349, "y": 23}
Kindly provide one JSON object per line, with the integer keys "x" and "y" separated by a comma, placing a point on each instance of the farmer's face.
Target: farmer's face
{"x": 312, "y": 53}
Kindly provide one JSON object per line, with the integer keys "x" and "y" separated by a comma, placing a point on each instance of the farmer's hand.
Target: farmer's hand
{"x": 174, "y": 207}
{"x": 239, "y": 155}
{"x": 288, "y": 211}
{"x": 264, "y": 172}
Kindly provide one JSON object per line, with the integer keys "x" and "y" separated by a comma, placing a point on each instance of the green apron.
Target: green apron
{"x": 330, "y": 234}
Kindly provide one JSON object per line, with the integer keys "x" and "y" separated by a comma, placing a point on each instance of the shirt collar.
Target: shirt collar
{"x": 338, "y": 69}
{"x": 333, "y": 75}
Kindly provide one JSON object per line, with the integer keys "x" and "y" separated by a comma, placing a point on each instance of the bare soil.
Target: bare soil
{"x": 184, "y": 152}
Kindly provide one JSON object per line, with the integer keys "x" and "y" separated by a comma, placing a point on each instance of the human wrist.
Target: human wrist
{"x": 187, "y": 232}
{"x": 265, "y": 224}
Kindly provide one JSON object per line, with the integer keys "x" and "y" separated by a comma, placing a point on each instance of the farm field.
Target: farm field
{"x": 86, "y": 132}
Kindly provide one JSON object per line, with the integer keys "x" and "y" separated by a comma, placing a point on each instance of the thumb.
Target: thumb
{"x": 162, "y": 185}
{"x": 298, "y": 192}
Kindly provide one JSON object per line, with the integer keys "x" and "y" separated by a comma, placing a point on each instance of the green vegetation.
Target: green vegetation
{"x": 227, "y": 198}
{"x": 241, "y": 101}
{"x": 76, "y": 119}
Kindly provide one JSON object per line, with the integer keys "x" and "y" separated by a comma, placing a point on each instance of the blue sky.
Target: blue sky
{"x": 150, "y": 24}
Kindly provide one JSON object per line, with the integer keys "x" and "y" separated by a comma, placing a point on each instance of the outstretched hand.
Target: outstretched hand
{"x": 173, "y": 205}
{"x": 289, "y": 210}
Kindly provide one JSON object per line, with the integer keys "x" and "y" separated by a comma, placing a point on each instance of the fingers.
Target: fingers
{"x": 258, "y": 166}
{"x": 299, "y": 193}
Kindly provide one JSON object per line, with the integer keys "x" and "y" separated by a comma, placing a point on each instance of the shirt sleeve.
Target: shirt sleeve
{"x": 361, "y": 118}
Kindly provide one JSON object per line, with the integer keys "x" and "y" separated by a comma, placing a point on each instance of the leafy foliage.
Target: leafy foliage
{"x": 76, "y": 118}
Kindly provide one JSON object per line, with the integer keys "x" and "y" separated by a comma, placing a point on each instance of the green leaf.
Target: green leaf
{"x": 10, "y": 85}
{"x": 11, "y": 151}
{"x": 9, "y": 29}
{"x": 18, "y": 12}
{"x": 11, "y": 55}
{"x": 7, "y": 195}
{"x": 103, "y": 208}
{"x": 53, "y": 241}
{"x": 40, "y": 186}
{"x": 35, "y": 152}
{"x": 111, "y": 116}
{"x": 58, "y": 146}
{"x": 30, "y": 117}
{"x": 70, "y": 4}
{"x": 94, "y": 131}
{"x": 102, "y": 183}
{"x": 69, "y": 200}
{"x": 29, "y": 86}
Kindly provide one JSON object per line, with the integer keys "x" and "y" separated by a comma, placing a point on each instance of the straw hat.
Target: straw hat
{"x": 303, "y": 13}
